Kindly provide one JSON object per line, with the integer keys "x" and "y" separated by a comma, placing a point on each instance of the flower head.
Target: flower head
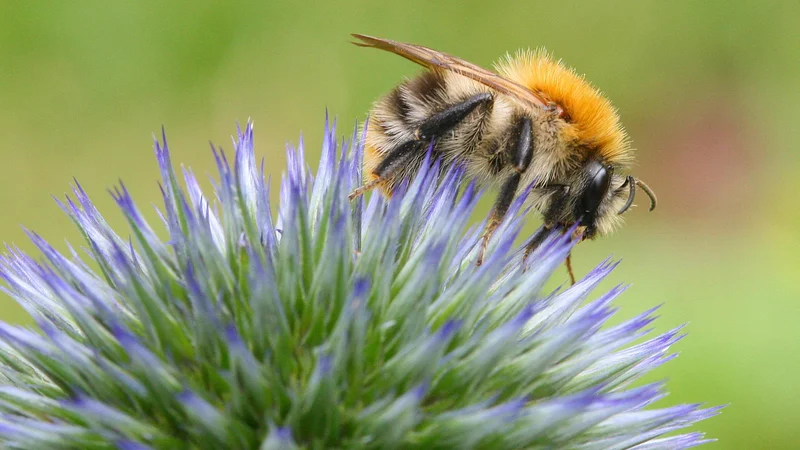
{"x": 326, "y": 325}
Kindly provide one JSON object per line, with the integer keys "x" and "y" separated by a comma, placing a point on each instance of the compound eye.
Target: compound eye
{"x": 596, "y": 189}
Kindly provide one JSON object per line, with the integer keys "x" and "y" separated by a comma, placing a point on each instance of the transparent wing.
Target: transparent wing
{"x": 430, "y": 58}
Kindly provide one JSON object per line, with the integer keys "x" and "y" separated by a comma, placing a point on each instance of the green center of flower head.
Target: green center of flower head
{"x": 335, "y": 326}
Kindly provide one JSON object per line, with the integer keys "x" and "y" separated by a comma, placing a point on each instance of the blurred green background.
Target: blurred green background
{"x": 709, "y": 91}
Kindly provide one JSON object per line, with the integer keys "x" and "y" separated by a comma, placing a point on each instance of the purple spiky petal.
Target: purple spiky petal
{"x": 323, "y": 323}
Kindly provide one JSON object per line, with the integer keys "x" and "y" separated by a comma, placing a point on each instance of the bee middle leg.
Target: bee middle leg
{"x": 434, "y": 126}
{"x": 556, "y": 204}
{"x": 522, "y": 154}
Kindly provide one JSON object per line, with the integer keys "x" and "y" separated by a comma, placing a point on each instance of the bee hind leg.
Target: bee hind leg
{"x": 521, "y": 156}
{"x": 432, "y": 127}
{"x": 361, "y": 190}
{"x": 394, "y": 160}
{"x": 448, "y": 118}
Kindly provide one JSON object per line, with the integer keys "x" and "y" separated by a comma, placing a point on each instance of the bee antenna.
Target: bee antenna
{"x": 649, "y": 193}
{"x": 631, "y": 183}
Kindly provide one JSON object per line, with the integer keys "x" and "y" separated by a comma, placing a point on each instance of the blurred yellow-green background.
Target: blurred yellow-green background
{"x": 709, "y": 91}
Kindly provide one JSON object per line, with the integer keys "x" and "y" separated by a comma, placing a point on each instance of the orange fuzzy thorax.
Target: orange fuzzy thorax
{"x": 593, "y": 122}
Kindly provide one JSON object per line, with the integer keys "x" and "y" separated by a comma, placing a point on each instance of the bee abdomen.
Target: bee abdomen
{"x": 409, "y": 101}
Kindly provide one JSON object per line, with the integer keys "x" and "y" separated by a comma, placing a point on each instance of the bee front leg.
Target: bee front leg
{"x": 521, "y": 156}
{"x": 536, "y": 240}
{"x": 557, "y": 202}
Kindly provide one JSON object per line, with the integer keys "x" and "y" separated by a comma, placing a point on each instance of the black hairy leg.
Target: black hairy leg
{"x": 521, "y": 152}
{"x": 393, "y": 161}
{"x": 534, "y": 243}
{"x": 433, "y": 127}
{"x": 559, "y": 198}
{"x": 447, "y": 119}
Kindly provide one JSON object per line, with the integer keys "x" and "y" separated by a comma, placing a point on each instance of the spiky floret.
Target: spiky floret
{"x": 330, "y": 327}
{"x": 593, "y": 120}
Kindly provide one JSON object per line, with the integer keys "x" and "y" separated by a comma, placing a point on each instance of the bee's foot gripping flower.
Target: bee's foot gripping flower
{"x": 336, "y": 326}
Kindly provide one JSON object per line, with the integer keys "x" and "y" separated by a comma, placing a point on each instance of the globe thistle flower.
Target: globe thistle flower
{"x": 326, "y": 325}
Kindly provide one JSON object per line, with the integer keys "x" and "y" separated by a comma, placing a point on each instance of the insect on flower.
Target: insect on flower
{"x": 534, "y": 123}
{"x": 226, "y": 333}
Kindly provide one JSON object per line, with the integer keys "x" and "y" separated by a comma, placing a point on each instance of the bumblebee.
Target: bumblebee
{"x": 534, "y": 122}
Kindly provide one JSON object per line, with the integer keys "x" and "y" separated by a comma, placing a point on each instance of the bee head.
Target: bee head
{"x": 595, "y": 181}
{"x": 596, "y": 198}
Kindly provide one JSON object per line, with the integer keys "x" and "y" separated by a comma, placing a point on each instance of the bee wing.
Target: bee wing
{"x": 430, "y": 58}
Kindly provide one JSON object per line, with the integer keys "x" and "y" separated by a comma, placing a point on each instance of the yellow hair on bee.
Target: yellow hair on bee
{"x": 593, "y": 120}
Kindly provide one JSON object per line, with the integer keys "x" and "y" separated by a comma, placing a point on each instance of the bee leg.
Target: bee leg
{"x": 535, "y": 241}
{"x": 568, "y": 263}
{"x": 434, "y": 126}
{"x": 445, "y": 120}
{"x": 361, "y": 190}
{"x": 557, "y": 203}
{"x": 501, "y": 205}
{"x": 521, "y": 158}
{"x": 394, "y": 160}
